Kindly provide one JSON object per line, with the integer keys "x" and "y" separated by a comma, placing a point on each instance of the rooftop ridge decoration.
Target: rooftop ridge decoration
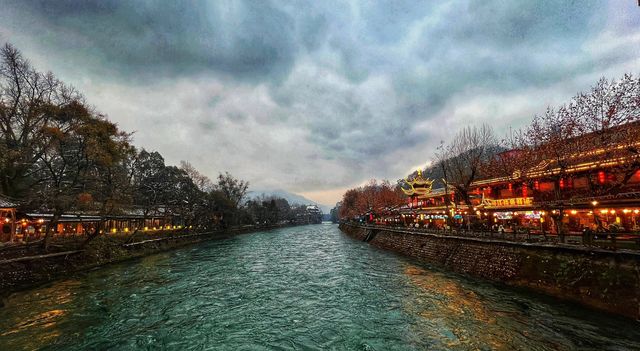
{"x": 418, "y": 186}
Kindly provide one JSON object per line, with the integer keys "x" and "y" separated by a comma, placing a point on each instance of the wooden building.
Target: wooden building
{"x": 7, "y": 219}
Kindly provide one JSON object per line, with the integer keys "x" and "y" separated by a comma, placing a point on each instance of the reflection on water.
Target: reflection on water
{"x": 36, "y": 317}
{"x": 297, "y": 288}
{"x": 448, "y": 304}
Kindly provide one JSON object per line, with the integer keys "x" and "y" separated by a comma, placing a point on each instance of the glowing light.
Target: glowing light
{"x": 626, "y": 211}
{"x": 146, "y": 228}
{"x": 636, "y": 211}
{"x": 612, "y": 211}
{"x": 113, "y": 230}
{"x": 594, "y": 202}
{"x": 603, "y": 211}
{"x": 573, "y": 212}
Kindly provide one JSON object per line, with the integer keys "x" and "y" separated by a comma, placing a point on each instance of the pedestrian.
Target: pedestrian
{"x": 585, "y": 236}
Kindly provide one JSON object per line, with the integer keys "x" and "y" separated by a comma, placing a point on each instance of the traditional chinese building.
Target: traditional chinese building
{"x": 7, "y": 219}
{"x": 23, "y": 227}
{"x": 597, "y": 186}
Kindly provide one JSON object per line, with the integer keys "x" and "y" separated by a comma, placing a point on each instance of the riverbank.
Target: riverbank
{"x": 601, "y": 279}
{"x": 25, "y": 266}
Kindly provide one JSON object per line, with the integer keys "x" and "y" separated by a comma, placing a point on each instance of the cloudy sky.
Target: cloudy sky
{"x": 318, "y": 96}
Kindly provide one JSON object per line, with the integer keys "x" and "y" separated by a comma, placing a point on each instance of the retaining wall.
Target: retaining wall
{"x": 28, "y": 270}
{"x": 601, "y": 279}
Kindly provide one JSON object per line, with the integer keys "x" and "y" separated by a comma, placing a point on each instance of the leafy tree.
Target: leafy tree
{"x": 68, "y": 174}
{"x": 373, "y": 196}
{"x": 233, "y": 189}
{"x": 148, "y": 181}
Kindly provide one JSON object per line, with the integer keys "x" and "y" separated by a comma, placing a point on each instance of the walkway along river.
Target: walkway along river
{"x": 308, "y": 287}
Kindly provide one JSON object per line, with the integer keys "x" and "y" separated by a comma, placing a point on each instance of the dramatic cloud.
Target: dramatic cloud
{"x": 314, "y": 97}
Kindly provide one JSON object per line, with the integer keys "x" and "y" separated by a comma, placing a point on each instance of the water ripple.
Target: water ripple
{"x": 304, "y": 288}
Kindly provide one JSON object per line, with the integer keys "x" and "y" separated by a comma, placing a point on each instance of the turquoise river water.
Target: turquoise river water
{"x": 301, "y": 288}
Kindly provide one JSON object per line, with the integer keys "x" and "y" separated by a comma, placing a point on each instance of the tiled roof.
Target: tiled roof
{"x": 6, "y": 203}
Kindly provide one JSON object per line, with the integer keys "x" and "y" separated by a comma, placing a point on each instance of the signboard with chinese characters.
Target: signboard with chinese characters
{"x": 508, "y": 203}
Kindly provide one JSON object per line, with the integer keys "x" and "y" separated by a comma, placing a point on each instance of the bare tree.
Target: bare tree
{"x": 443, "y": 155}
{"x": 26, "y": 99}
{"x": 464, "y": 157}
{"x": 200, "y": 180}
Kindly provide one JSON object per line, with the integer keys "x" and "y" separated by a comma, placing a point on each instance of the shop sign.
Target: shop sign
{"x": 510, "y": 202}
{"x": 532, "y": 215}
{"x": 504, "y": 215}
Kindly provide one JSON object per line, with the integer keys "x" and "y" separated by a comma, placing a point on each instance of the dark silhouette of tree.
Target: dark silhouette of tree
{"x": 233, "y": 189}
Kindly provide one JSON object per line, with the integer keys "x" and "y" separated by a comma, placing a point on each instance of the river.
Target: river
{"x": 300, "y": 288}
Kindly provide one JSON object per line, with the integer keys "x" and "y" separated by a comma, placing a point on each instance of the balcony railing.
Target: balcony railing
{"x": 598, "y": 240}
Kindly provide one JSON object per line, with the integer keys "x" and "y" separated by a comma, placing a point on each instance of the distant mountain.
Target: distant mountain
{"x": 291, "y": 197}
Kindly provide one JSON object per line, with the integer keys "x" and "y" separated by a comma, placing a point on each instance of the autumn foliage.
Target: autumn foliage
{"x": 374, "y": 196}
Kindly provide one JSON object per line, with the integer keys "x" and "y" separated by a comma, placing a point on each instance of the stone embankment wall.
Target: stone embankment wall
{"x": 604, "y": 280}
{"x": 25, "y": 266}
{"x": 27, "y": 270}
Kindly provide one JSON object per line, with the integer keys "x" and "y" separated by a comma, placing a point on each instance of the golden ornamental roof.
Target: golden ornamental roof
{"x": 418, "y": 185}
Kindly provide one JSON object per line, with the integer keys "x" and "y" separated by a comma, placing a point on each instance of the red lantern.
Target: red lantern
{"x": 601, "y": 177}
{"x": 524, "y": 190}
